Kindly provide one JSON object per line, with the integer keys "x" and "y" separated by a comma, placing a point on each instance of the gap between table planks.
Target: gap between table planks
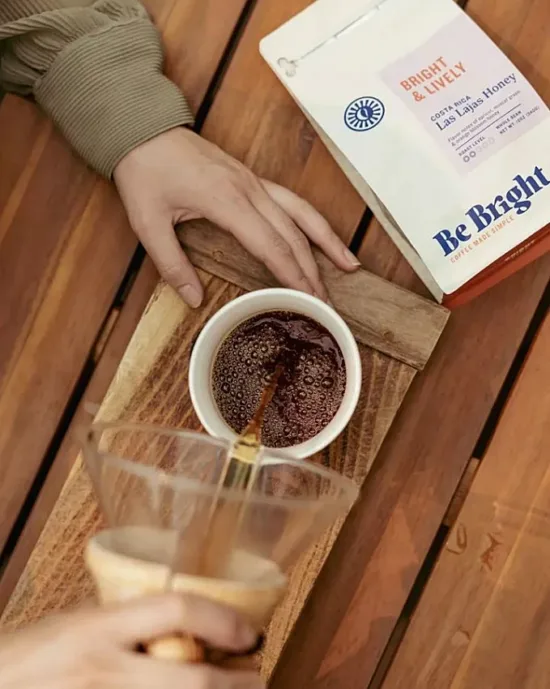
{"x": 65, "y": 246}
{"x": 484, "y": 617}
{"x": 385, "y": 541}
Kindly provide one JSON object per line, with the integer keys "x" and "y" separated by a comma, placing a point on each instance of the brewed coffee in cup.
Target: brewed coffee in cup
{"x": 310, "y": 387}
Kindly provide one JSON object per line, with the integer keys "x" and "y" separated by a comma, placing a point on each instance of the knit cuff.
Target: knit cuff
{"x": 107, "y": 94}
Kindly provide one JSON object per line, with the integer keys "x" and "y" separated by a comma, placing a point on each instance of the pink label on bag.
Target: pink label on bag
{"x": 466, "y": 93}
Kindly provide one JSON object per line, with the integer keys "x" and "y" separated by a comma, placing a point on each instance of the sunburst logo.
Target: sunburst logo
{"x": 364, "y": 113}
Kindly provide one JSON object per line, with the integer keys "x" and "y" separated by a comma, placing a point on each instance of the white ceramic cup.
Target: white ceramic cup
{"x": 243, "y": 308}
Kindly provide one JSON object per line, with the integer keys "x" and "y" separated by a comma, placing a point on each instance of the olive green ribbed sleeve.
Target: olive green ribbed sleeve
{"x": 95, "y": 68}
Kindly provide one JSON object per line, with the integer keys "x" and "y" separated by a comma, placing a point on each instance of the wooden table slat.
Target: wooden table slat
{"x": 151, "y": 387}
{"x": 96, "y": 389}
{"x": 65, "y": 246}
{"x": 484, "y": 617}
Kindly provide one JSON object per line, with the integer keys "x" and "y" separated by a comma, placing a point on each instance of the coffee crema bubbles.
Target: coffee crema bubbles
{"x": 310, "y": 388}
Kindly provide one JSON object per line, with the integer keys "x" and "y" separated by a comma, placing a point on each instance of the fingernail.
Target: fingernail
{"x": 190, "y": 296}
{"x": 248, "y": 637}
{"x": 322, "y": 297}
{"x": 259, "y": 643}
{"x": 351, "y": 258}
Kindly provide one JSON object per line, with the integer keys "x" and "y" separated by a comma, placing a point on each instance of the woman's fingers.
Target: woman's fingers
{"x": 177, "y": 176}
{"x": 147, "y": 619}
{"x": 295, "y": 239}
{"x": 313, "y": 224}
{"x": 159, "y": 240}
{"x": 239, "y": 217}
{"x": 159, "y": 674}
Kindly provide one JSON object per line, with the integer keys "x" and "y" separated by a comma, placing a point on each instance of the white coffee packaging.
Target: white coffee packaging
{"x": 443, "y": 136}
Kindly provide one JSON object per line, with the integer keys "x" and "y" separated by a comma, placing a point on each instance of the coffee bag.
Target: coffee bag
{"x": 442, "y": 135}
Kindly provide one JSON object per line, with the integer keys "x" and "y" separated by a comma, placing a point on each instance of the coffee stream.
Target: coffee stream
{"x": 294, "y": 367}
{"x": 239, "y": 474}
{"x": 311, "y": 385}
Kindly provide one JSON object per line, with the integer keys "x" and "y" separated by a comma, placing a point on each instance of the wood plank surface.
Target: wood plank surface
{"x": 64, "y": 248}
{"x": 354, "y": 606}
{"x": 272, "y": 136}
{"x": 281, "y": 147}
{"x": 60, "y": 306}
{"x": 114, "y": 345}
{"x": 484, "y": 618}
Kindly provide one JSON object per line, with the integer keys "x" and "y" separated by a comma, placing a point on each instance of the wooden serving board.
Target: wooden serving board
{"x": 396, "y": 330}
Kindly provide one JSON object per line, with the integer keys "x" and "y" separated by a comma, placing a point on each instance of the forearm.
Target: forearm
{"x": 95, "y": 68}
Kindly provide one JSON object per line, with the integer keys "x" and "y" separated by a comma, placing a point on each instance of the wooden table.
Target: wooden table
{"x": 438, "y": 578}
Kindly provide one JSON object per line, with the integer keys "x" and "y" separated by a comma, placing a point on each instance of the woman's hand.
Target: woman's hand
{"x": 178, "y": 176}
{"x": 96, "y": 649}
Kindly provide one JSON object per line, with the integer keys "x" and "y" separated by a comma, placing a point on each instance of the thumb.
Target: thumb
{"x": 149, "y": 618}
{"x": 161, "y": 243}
